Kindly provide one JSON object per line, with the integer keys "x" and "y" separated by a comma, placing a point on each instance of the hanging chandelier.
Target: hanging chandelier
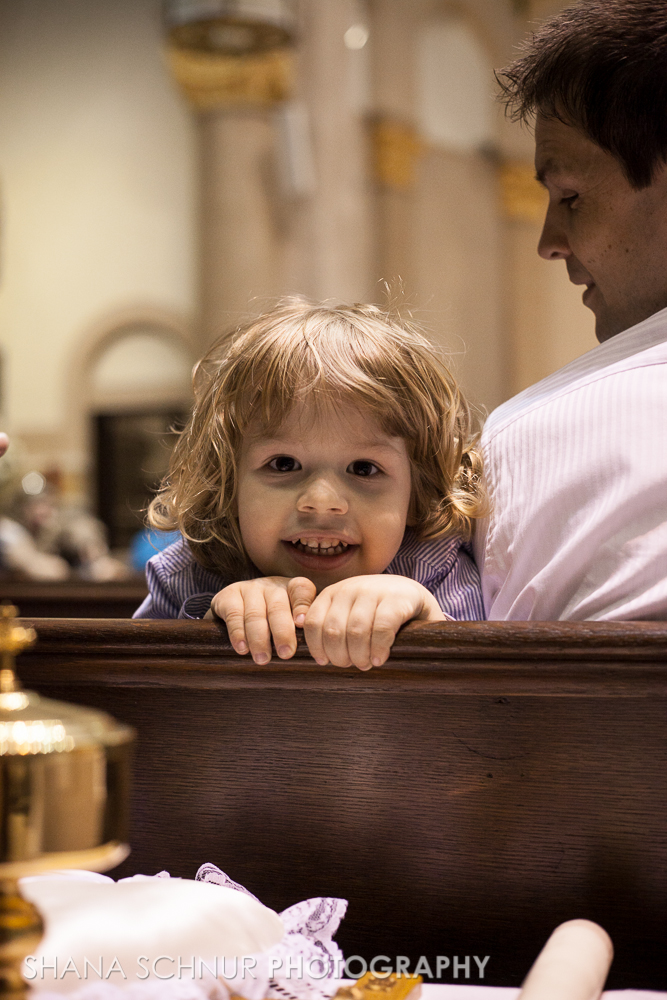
{"x": 230, "y": 27}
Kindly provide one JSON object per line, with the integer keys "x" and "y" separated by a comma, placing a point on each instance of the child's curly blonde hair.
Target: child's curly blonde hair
{"x": 325, "y": 355}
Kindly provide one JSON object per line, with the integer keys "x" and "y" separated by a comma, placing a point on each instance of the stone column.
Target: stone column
{"x": 259, "y": 241}
{"x": 330, "y": 250}
{"x": 397, "y": 145}
{"x": 240, "y": 247}
{"x": 239, "y": 263}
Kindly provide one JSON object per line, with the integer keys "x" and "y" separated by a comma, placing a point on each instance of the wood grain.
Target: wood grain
{"x": 491, "y": 781}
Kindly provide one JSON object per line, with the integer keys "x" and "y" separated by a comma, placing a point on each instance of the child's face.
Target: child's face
{"x": 326, "y": 498}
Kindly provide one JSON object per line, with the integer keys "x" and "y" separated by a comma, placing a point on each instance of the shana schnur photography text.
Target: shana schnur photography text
{"x": 166, "y": 967}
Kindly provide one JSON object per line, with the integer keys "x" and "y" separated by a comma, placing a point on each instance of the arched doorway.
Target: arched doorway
{"x": 139, "y": 395}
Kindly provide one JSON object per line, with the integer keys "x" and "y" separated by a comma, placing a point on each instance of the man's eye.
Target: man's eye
{"x": 284, "y": 463}
{"x": 363, "y": 468}
{"x": 569, "y": 201}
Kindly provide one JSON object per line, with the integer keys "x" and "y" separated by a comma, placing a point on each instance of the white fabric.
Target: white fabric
{"x": 120, "y": 921}
{"x": 291, "y": 957}
{"x": 577, "y": 472}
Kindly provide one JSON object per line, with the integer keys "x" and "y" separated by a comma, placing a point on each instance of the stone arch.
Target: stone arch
{"x": 85, "y": 394}
{"x": 454, "y": 82}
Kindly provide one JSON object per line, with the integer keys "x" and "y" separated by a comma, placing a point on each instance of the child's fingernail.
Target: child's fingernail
{"x": 261, "y": 658}
{"x": 241, "y": 647}
{"x": 322, "y": 663}
{"x": 284, "y": 652}
{"x": 299, "y": 620}
{"x": 376, "y": 661}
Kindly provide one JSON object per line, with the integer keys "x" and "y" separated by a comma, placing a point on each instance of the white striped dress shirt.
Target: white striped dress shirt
{"x": 577, "y": 473}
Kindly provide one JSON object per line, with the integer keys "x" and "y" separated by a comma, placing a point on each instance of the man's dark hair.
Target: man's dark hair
{"x": 602, "y": 67}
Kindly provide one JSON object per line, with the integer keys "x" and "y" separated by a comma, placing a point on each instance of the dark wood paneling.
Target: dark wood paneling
{"x": 75, "y": 598}
{"x": 489, "y": 782}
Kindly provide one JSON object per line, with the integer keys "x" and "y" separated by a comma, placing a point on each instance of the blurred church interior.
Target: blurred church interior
{"x": 166, "y": 170}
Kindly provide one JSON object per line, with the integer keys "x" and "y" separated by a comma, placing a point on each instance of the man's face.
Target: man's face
{"x": 612, "y": 238}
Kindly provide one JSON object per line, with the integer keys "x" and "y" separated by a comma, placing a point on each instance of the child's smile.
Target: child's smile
{"x": 314, "y": 553}
{"x": 326, "y": 498}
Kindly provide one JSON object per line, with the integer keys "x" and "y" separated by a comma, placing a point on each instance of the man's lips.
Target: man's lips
{"x": 590, "y": 288}
{"x": 577, "y": 273}
{"x": 325, "y": 559}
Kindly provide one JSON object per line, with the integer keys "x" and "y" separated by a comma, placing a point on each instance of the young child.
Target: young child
{"x": 327, "y": 479}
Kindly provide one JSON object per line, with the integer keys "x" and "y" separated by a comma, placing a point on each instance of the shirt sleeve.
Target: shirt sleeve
{"x": 446, "y": 568}
{"x": 459, "y": 591}
{"x": 160, "y": 602}
{"x": 196, "y": 606}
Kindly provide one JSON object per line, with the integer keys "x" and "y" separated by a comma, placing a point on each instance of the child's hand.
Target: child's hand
{"x": 256, "y": 610}
{"x": 355, "y": 621}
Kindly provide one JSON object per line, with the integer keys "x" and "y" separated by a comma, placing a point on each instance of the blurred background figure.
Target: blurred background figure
{"x": 41, "y": 538}
{"x": 167, "y": 169}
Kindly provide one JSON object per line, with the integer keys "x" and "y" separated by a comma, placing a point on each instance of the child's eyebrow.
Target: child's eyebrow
{"x": 375, "y": 443}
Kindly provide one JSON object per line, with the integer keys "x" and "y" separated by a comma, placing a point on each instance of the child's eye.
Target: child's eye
{"x": 363, "y": 468}
{"x": 284, "y": 463}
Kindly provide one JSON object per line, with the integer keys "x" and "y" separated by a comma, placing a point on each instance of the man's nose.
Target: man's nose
{"x": 321, "y": 495}
{"x": 553, "y": 243}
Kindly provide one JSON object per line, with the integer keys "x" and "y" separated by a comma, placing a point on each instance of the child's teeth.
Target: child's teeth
{"x": 324, "y": 545}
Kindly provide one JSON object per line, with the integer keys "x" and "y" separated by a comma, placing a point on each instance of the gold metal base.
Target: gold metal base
{"x": 21, "y": 926}
{"x": 93, "y": 859}
{"x": 21, "y": 930}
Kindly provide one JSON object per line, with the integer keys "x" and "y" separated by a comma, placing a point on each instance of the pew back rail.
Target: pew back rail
{"x": 490, "y": 781}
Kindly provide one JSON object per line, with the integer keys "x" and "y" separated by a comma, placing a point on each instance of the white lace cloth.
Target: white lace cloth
{"x": 305, "y": 965}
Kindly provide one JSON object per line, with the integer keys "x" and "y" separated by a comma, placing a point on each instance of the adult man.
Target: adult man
{"x": 577, "y": 464}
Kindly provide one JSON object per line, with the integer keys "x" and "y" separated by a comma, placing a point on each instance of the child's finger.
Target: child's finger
{"x": 334, "y": 629}
{"x": 302, "y": 593}
{"x": 257, "y": 626}
{"x": 359, "y": 627}
{"x": 312, "y": 628}
{"x": 388, "y": 620}
{"x": 228, "y": 604}
{"x": 281, "y": 624}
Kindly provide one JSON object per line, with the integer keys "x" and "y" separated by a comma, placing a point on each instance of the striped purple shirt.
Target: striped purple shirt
{"x": 180, "y": 588}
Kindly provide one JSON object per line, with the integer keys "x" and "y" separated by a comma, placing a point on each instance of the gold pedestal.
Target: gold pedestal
{"x": 21, "y": 930}
{"x": 64, "y": 794}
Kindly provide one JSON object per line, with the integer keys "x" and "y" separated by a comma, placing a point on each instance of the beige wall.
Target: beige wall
{"x": 98, "y": 191}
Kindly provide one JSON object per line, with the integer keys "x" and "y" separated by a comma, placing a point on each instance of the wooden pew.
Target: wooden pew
{"x": 74, "y": 598}
{"x": 489, "y": 782}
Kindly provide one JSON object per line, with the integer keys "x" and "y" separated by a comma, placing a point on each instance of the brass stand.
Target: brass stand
{"x": 21, "y": 930}
{"x": 64, "y": 791}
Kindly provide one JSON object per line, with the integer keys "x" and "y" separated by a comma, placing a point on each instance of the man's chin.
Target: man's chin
{"x": 606, "y": 326}
{"x": 602, "y": 331}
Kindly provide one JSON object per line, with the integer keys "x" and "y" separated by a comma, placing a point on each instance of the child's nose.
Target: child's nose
{"x": 322, "y": 495}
